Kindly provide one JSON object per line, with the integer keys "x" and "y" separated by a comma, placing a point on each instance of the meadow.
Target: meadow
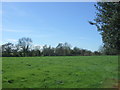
{"x": 60, "y": 72}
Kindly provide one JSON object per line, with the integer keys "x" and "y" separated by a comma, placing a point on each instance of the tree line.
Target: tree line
{"x": 107, "y": 21}
{"x": 24, "y": 48}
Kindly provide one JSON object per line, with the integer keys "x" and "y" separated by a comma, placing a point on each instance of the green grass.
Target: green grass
{"x": 60, "y": 72}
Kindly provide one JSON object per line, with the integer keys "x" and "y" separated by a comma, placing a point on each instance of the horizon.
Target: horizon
{"x": 51, "y": 23}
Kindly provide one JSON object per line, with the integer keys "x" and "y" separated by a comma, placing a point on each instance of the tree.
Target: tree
{"x": 35, "y": 51}
{"x": 107, "y": 22}
{"x": 87, "y": 53}
{"x": 7, "y": 49}
{"x": 59, "y": 50}
{"x": 101, "y": 50}
{"x": 51, "y": 51}
{"x": 25, "y": 44}
{"x": 0, "y": 50}
{"x": 45, "y": 50}
{"x": 107, "y": 51}
{"x": 76, "y": 51}
{"x": 67, "y": 49}
{"x": 63, "y": 49}
{"x": 97, "y": 53}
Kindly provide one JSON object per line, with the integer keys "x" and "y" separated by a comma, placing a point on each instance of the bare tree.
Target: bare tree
{"x": 25, "y": 44}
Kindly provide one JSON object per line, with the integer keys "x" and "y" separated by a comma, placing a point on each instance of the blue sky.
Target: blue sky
{"x": 51, "y": 23}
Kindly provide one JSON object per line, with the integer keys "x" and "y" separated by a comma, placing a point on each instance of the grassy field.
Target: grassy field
{"x": 60, "y": 72}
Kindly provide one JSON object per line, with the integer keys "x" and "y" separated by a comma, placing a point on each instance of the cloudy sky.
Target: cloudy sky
{"x": 51, "y": 23}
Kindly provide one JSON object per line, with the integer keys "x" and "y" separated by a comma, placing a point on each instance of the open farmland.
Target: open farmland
{"x": 60, "y": 72}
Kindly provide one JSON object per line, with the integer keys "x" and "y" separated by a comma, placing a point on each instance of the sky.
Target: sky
{"x": 51, "y": 23}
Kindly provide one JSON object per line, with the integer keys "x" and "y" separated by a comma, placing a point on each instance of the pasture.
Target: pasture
{"x": 60, "y": 72}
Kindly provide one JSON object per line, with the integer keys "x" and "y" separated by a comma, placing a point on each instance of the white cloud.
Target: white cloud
{"x": 51, "y": 0}
{"x": 13, "y": 9}
{"x": 11, "y": 40}
{"x": 83, "y": 38}
{"x": 42, "y": 36}
{"x": 0, "y": 12}
{"x": 16, "y": 31}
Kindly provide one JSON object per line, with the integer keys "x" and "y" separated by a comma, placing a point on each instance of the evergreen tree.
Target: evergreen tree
{"x": 108, "y": 23}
